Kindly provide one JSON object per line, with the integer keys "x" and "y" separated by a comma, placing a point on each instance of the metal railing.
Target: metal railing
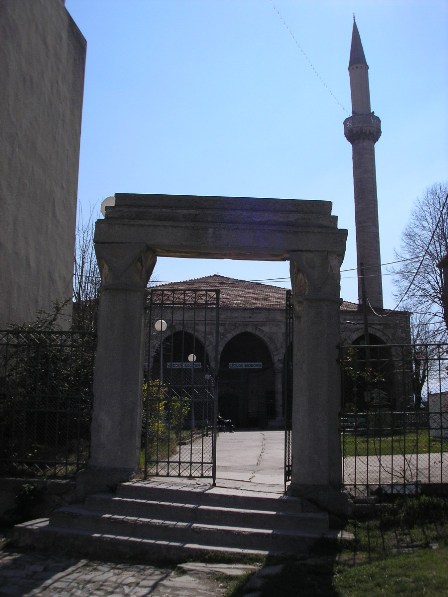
{"x": 394, "y": 418}
{"x": 45, "y": 402}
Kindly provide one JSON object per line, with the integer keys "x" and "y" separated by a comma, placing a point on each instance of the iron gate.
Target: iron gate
{"x": 287, "y": 386}
{"x": 180, "y": 388}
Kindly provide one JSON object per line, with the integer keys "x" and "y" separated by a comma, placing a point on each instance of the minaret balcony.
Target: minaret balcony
{"x": 361, "y": 127}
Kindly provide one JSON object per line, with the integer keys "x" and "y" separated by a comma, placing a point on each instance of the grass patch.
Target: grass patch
{"x": 403, "y": 551}
{"x": 424, "y": 572}
{"x": 233, "y": 584}
{"x": 417, "y": 442}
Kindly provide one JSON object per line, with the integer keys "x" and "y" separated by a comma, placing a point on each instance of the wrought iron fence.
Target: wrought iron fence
{"x": 394, "y": 418}
{"x": 45, "y": 402}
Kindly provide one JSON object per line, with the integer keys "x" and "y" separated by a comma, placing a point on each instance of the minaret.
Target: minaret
{"x": 362, "y": 130}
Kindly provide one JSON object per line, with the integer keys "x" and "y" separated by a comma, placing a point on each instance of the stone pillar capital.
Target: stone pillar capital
{"x": 315, "y": 275}
{"x": 125, "y": 266}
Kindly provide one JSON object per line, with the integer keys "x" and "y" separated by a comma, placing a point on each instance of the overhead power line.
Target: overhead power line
{"x": 307, "y": 58}
{"x": 287, "y": 279}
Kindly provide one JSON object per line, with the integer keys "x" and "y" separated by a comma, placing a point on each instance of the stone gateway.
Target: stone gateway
{"x": 137, "y": 230}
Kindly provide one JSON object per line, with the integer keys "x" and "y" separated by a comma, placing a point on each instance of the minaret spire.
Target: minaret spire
{"x": 362, "y": 130}
{"x": 356, "y": 51}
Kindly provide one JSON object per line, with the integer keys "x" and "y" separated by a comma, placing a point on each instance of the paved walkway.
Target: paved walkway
{"x": 249, "y": 461}
{"x": 23, "y": 574}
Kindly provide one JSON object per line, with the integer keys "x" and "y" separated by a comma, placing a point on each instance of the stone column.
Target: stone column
{"x": 116, "y": 425}
{"x": 316, "y": 466}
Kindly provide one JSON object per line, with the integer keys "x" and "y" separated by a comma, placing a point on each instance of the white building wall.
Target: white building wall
{"x": 42, "y": 58}
{"x": 438, "y": 415}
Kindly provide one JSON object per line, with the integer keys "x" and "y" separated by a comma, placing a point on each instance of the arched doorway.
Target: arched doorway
{"x": 171, "y": 362}
{"x": 368, "y": 375}
{"x": 247, "y": 382}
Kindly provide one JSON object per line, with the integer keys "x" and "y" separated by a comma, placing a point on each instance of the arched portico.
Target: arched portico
{"x": 127, "y": 242}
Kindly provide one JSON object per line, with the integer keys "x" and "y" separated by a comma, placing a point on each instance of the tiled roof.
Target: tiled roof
{"x": 236, "y": 294}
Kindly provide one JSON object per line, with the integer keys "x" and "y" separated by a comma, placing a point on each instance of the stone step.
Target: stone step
{"x": 222, "y": 535}
{"x": 206, "y": 514}
{"x": 168, "y": 521}
{"x": 43, "y": 535}
{"x": 207, "y": 495}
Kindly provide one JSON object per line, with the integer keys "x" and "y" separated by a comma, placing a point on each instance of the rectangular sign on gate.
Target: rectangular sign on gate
{"x": 257, "y": 365}
{"x": 183, "y": 365}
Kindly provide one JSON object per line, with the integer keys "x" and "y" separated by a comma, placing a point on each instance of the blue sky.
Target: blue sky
{"x": 247, "y": 98}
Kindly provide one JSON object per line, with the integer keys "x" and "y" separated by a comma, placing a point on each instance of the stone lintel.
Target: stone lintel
{"x": 223, "y": 241}
{"x": 222, "y": 227}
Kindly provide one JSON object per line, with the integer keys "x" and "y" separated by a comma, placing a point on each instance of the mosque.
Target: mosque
{"x": 253, "y": 339}
{"x": 38, "y": 181}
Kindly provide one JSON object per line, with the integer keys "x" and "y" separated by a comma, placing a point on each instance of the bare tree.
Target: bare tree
{"x": 418, "y": 279}
{"x": 424, "y": 354}
{"x": 86, "y": 279}
{"x": 443, "y": 265}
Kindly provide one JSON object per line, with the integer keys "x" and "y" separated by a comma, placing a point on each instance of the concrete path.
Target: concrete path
{"x": 249, "y": 462}
{"x": 403, "y": 468}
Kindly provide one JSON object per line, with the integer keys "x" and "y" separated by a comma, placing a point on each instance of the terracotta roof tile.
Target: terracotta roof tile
{"x": 236, "y": 293}
{"x": 241, "y": 294}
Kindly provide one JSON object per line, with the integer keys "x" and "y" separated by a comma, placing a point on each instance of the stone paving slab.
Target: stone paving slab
{"x": 32, "y": 574}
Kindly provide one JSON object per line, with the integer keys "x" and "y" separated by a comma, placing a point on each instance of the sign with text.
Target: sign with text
{"x": 183, "y": 365}
{"x": 257, "y": 365}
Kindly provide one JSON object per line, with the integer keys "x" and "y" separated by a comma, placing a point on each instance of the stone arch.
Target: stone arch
{"x": 358, "y": 334}
{"x": 373, "y": 385}
{"x": 271, "y": 341}
{"x": 177, "y": 345}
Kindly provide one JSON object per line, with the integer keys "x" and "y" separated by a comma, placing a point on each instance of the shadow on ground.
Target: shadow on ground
{"x": 418, "y": 528}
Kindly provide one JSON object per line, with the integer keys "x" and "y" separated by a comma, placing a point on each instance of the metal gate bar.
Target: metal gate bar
{"x": 287, "y": 387}
{"x": 180, "y": 393}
